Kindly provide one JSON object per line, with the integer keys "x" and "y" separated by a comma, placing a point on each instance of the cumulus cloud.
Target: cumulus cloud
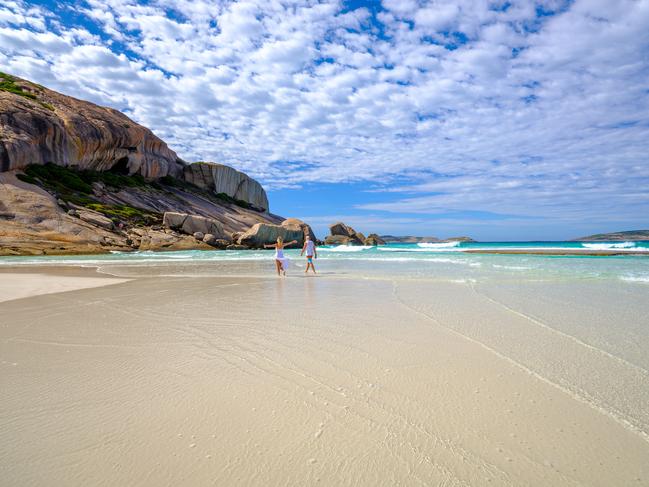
{"x": 533, "y": 108}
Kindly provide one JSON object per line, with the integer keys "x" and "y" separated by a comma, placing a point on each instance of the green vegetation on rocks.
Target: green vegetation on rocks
{"x": 75, "y": 187}
{"x": 8, "y": 84}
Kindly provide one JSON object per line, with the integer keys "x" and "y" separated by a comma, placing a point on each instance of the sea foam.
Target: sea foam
{"x": 347, "y": 248}
{"x": 608, "y": 246}
{"x": 438, "y": 245}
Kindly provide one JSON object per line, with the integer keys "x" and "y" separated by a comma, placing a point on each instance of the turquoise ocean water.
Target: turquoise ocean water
{"x": 424, "y": 260}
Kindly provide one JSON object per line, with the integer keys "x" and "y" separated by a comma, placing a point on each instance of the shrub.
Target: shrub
{"x": 59, "y": 178}
{"x": 27, "y": 179}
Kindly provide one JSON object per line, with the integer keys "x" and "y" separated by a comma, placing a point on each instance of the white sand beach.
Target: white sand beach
{"x": 302, "y": 381}
{"x": 17, "y": 285}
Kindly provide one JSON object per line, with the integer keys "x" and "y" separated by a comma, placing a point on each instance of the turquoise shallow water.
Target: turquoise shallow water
{"x": 418, "y": 261}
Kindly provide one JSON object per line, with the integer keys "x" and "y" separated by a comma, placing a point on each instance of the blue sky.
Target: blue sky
{"x": 521, "y": 119}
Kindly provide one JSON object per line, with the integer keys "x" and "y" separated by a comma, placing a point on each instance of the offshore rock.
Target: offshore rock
{"x": 42, "y": 126}
{"x": 374, "y": 239}
{"x": 306, "y": 228}
{"x": 342, "y": 234}
{"x": 225, "y": 179}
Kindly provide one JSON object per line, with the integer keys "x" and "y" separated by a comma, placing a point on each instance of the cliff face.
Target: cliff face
{"x": 224, "y": 179}
{"x": 38, "y": 125}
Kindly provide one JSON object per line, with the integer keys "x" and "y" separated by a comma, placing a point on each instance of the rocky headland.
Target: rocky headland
{"x": 342, "y": 234}
{"x": 76, "y": 177}
{"x": 629, "y": 236}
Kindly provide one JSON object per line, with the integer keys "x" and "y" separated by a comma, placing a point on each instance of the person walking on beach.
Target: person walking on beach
{"x": 280, "y": 260}
{"x": 311, "y": 253}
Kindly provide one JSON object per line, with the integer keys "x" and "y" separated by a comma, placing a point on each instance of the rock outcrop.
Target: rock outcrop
{"x": 263, "y": 233}
{"x": 341, "y": 234}
{"x": 219, "y": 178}
{"x": 38, "y": 125}
{"x": 341, "y": 229}
{"x": 374, "y": 240}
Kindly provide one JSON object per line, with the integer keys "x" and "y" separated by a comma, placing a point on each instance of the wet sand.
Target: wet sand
{"x": 297, "y": 381}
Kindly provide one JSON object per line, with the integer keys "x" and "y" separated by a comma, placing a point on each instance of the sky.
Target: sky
{"x": 500, "y": 120}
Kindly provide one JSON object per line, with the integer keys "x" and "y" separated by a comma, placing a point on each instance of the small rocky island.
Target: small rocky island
{"x": 628, "y": 236}
{"x": 76, "y": 177}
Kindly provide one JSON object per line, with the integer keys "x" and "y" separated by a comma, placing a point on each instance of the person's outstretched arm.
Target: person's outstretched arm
{"x": 291, "y": 242}
{"x": 269, "y": 246}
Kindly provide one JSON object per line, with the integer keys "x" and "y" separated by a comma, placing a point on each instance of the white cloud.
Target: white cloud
{"x": 468, "y": 96}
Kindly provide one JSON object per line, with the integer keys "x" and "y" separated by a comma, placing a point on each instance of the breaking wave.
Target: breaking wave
{"x": 438, "y": 245}
{"x": 608, "y": 246}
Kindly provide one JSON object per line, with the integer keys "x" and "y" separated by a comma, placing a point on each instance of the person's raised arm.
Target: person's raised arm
{"x": 269, "y": 246}
{"x": 291, "y": 242}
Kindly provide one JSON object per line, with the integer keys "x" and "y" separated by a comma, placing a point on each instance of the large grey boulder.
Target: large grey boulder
{"x": 342, "y": 234}
{"x": 265, "y": 233}
{"x": 225, "y": 179}
{"x": 340, "y": 228}
{"x": 340, "y": 240}
{"x": 47, "y": 126}
{"x": 191, "y": 224}
{"x": 374, "y": 239}
{"x": 306, "y": 228}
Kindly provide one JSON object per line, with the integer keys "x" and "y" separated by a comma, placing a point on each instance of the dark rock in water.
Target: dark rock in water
{"x": 342, "y": 234}
{"x": 340, "y": 240}
{"x": 374, "y": 239}
{"x": 51, "y": 127}
{"x": 341, "y": 229}
{"x": 237, "y": 247}
{"x": 306, "y": 228}
{"x": 220, "y": 243}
